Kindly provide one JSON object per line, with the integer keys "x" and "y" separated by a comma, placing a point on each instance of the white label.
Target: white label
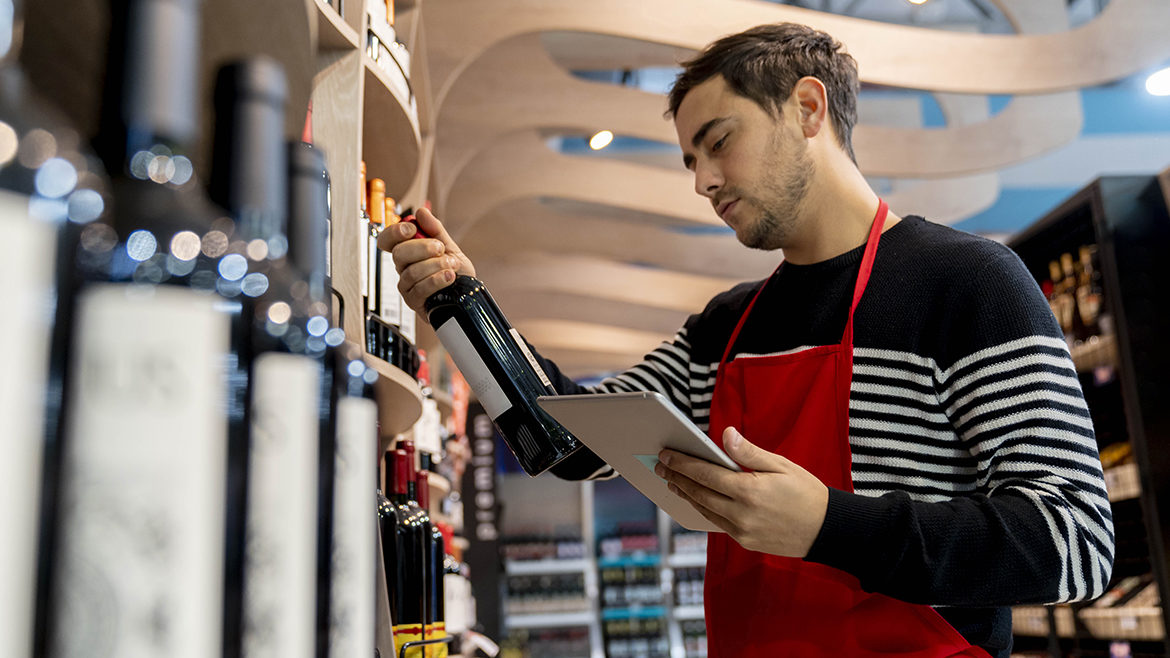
{"x": 426, "y": 433}
{"x": 280, "y": 567}
{"x": 391, "y": 307}
{"x": 26, "y": 270}
{"x": 1128, "y": 623}
{"x": 407, "y": 328}
{"x": 370, "y": 261}
{"x": 474, "y": 370}
{"x": 328, "y": 247}
{"x": 351, "y": 626}
{"x": 531, "y": 359}
{"x": 142, "y": 515}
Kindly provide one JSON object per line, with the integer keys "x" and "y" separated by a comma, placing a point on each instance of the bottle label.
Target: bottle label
{"x": 280, "y": 567}
{"x": 474, "y": 370}
{"x": 351, "y": 624}
{"x": 390, "y": 300}
{"x": 26, "y": 268}
{"x": 426, "y": 430}
{"x": 407, "y": 328}
{"x": 531, "y": 359}
{"x": 144, "y": 476}
{"x": 404, "y": 633}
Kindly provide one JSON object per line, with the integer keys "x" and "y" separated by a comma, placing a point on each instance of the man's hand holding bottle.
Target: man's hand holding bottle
{"x": 426, "y": 262}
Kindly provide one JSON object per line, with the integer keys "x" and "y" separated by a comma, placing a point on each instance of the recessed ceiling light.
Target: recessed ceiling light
{"x": 600, "y": 140}
{"x": 1158, "y": 83}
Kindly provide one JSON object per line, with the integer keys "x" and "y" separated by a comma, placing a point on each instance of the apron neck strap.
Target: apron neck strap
{"x": 871, "y": 244}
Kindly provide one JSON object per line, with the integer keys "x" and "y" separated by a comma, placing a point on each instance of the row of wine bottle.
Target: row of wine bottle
{"x": 188, "y": 450}
{"x": 414, "y": 555}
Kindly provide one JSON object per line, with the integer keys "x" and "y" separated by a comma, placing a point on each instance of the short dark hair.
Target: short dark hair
{"x": 764, "y": 63}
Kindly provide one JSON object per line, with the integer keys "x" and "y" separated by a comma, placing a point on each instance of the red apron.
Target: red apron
{"x": 797, "y": 405}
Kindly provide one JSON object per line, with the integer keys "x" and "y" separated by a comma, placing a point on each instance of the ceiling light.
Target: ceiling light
{"x": 1158, "y": 83}
{"x": 600, "y": 140}
{"x": 917, "y": 2}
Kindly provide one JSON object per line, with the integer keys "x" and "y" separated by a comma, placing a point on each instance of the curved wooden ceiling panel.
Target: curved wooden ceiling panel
{"x": 519, "y": 166}
{"x": 584, "y": 276}
{"x": 1126, "y": 36}
{"x": 527, "y": 225}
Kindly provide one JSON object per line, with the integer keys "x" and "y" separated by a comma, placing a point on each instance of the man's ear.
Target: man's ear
{"x": 813, "y": 105}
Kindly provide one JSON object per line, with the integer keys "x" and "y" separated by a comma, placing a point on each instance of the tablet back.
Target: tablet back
{"x": 628, "y": 430}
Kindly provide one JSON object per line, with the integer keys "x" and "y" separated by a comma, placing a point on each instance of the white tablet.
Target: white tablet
{"x": 628, "y": 430}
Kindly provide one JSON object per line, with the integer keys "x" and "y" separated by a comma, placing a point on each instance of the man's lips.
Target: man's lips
{"x": 722, "y": 208}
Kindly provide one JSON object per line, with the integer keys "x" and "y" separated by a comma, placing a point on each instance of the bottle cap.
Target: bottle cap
{"x": 401, "y": 471}
{"x": 408, "y": 448}
{"x": 377, "y": 201}
{"x": 424, "y": 491}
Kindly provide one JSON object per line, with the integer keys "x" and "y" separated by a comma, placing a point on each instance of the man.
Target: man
{"x": 919, "y": 451}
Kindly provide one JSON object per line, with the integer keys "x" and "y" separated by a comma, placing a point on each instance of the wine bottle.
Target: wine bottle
{"x": 352, "y": 596}
{"x": 346, "y": 529}
{"x": 408, "y": 606}
{"x": 138, "y": 568}
{"x": 250, "y": 180}
{"x": 501, "y": 370}
{"x": 435, "y": 628}
{"x": 49, "y": 188}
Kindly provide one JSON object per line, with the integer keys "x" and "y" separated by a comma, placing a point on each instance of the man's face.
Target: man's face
{"x": 753, "y": 167}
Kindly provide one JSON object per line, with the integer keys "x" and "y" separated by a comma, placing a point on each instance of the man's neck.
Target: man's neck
{"x": 835, "y": 218}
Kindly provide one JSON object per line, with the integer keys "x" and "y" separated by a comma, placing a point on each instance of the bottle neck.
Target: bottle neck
{"x": 152, "y": 88}
{"x": 250, "y": 172}
{"x": 308, "y": 215}
{"x": 11, "y": 32}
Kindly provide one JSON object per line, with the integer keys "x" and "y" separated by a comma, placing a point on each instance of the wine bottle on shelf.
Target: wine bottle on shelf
{"x": 502, "y": 371}
{"x": 138, "y": 567}
{"x": 49, "y": 189}
{"x": 408, "y": 569}
{"x": 435, "y": 564}
{"x": 346, "y": 528}
{"x": 287, "y": 376}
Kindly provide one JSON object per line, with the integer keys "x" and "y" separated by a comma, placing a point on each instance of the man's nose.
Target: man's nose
{"x": 708, "y": 181}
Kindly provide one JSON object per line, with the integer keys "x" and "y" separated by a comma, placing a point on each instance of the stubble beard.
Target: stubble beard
{"x": 780, "y": 203}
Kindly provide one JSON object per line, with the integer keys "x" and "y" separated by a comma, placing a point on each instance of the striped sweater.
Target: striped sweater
{"x": 977, "y": 482}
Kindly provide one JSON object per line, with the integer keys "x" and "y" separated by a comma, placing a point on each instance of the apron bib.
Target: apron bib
{"x": 797, "y": 405}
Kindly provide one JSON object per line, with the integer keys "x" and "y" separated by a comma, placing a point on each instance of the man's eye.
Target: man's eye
{"x": 719, "y": 144}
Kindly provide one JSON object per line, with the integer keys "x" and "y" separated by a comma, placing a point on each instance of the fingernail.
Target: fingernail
{"x": 664, "y": 458}
{"x": 448, "y": 276}
{"x": 660, "y": 470}
{"x": 407, "y": 229}
{"x": 733, "y": 439}
{"x": 673, "y": 489}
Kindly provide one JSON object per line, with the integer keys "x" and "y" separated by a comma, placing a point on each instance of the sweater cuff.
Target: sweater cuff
{"x": 852, "y": 521}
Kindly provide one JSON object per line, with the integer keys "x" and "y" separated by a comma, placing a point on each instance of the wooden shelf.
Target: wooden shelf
{"x": 1096, "y": 352}
{"x": 333, "y": 33}
{"x": 391, "y": 144}
{"x": 541, "y": 567}
{"x": 1124, "y": 623}
{"x": 1032, "y": 621}
{"x": 399, "y": 399}
{"x": 1122, "y": 482}
{"x": 440, "y": 486}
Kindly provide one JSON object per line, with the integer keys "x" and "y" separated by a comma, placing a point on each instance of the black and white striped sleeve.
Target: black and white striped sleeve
{"x": 663, "y": 370}
{"x": 1037, "y": 527}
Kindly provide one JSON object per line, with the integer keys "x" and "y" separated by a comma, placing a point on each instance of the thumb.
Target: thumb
{"x": 747, "y": 454}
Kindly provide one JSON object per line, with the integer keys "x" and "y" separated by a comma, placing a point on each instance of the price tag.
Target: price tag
{"x": 1128, "y": 623}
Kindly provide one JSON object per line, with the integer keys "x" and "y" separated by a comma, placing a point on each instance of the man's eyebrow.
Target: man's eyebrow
{"x": 706, "y": 128}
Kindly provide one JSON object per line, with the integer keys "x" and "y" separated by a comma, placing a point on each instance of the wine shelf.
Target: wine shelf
{"x": 399, "y": 399}
{"x": 550, "y": 620}
{"x": 439, "y": 485}
{"x": 444, "y": 402}
{"x": 333, "y": 33}
{"x": 1096, "y": 352}
{"x": 1124, "y": 623}
{"x": 390, "y": 134}
{"x": 1032, "y": 621}
{"x": 537, "y": 567}
{"x": 685, "y": 560}
{"x": 1122, "y": 482}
